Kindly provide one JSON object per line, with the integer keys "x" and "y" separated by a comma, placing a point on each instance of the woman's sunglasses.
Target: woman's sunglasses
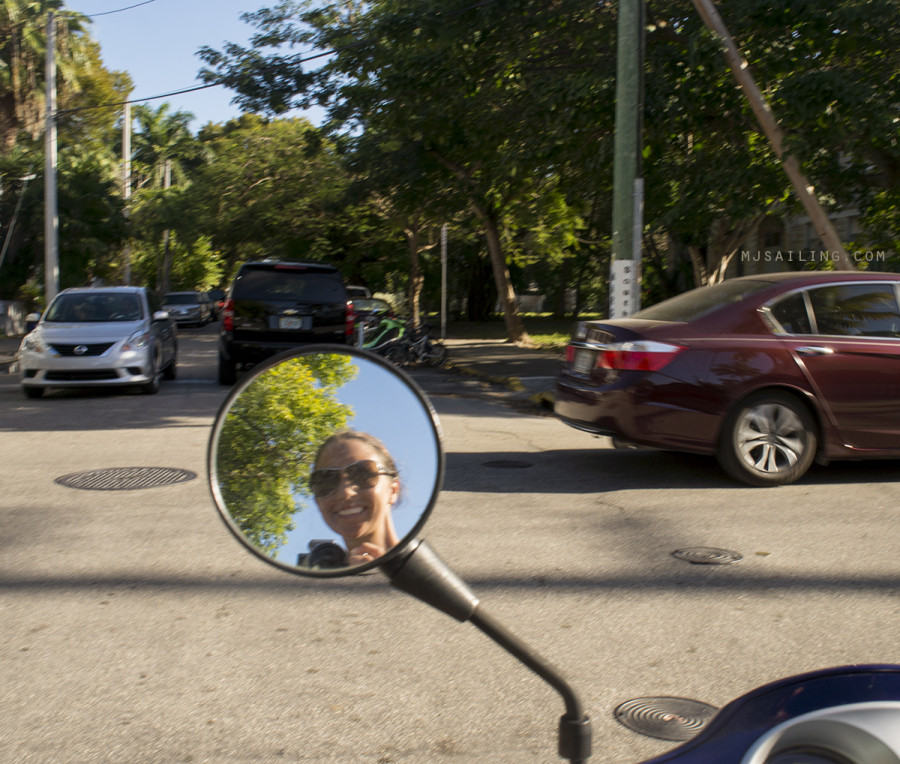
{"x": 362, "y": 475}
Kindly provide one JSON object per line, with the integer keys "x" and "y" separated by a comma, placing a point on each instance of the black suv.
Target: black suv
{"x": 274, "y": 306}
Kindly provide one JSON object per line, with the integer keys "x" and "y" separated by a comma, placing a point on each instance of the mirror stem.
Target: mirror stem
{"x": 421, "y": 573}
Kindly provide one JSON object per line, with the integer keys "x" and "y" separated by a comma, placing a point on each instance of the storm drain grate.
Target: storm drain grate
{"x": 704, "y": 555}
{"x": 126, "y": 478}
{"x": 507, "y": 464}
{"x": 675, "y": 719}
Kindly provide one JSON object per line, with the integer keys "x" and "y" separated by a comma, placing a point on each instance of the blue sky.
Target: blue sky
{"x": 157, "y": 42}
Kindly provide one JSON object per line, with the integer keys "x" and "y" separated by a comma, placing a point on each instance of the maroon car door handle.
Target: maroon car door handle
{"x": 814, "y": 350}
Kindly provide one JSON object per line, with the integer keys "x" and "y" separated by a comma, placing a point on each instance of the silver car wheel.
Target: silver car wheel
{"x": 770, "y": 438}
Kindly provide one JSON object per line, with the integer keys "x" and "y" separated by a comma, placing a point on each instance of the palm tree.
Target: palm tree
{"x": 163, "y": 151}
{"x": 163, "y": 147}
{"x": 23, "y": 53}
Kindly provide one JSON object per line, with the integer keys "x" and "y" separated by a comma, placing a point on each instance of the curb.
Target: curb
{"x": 512, "y": 383}
{"x": 544, "y": 400}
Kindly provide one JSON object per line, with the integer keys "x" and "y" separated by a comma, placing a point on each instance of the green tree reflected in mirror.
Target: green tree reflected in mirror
{"x": 268, "y": 437}
{"x": 266, "y": 442}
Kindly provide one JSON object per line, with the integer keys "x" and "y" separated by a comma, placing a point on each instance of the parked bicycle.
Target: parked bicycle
{"x": 381, "y": 333}
{"x": 416, "y": 347}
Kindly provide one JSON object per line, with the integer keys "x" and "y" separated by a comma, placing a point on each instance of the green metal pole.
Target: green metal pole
{"x": 627, "y": 221}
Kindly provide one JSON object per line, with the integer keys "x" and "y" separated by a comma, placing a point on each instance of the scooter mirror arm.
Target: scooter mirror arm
{"x": 421, "y": 573}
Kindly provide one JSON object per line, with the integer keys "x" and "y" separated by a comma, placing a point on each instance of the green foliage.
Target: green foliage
{"x": 92, "y": 227}
{"x": 164, "y": 151}
{"x": 23, "y": 51}
{"x": 194, "y": 263}
{"x": 270, "y": 437}
{"x": 496, "y": 118}
{"x": 271, "y": 187}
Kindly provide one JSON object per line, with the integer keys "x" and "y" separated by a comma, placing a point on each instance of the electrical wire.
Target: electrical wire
{"x": 174, "y": 92}
{"x": 449, "y": 14}
{"x": 119, "y": 10}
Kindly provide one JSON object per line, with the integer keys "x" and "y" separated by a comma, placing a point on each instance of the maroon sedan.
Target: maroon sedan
{"x": 767, "y": 372}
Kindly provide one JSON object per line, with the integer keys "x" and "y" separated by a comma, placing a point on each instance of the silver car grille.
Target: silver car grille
{"x": 82, "y": 349}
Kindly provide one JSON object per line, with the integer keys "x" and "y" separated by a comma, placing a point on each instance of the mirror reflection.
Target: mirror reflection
{"x": 324, "y": 462}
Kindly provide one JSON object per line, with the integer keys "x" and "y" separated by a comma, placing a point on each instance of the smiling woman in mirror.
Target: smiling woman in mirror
{"x": 356, "y": 485}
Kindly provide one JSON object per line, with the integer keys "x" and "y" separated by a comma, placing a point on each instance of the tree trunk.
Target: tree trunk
{"x": 515, "y": 329}
{"x": 416, "y": 279}
{"x": 725, "y": 242}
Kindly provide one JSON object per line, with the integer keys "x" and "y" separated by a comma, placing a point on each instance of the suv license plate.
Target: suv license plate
{"x": 583, "y": 362}
{"x": 294, "y": 322}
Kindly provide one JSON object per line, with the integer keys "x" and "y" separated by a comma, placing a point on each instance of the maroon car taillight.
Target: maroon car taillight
{"x": 350, "y": 322}
{"x": 228, "y": 316}
{"x": 641, "y": 355}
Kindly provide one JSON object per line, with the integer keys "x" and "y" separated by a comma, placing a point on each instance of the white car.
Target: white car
{"x": 107, "y": 336}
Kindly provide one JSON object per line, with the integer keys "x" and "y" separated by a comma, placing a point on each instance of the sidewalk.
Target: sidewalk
{"x": 531, "y": 372}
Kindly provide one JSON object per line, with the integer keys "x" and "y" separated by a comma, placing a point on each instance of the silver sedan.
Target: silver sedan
{"x": 109, "y": 336}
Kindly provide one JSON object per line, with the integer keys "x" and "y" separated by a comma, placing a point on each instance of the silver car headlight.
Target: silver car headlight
{"x": 33, "y": 343}
{"x": 137, "y": 341}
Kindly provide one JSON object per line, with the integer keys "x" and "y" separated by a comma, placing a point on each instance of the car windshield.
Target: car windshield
{"x": 104, "y": 306}
{"x": 181, "y": 299}
{"x": 698, "y": 302}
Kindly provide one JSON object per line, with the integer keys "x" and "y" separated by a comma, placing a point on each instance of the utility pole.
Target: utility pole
{"x": 802, "y": 187}
{"x": 628, "y": 185}
{"x": 126, "y": 181}
{"x": 51, "y": 217}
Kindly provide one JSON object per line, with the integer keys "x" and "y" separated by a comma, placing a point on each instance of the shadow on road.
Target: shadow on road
{"x": 605, "y": 469}
{"x": 194, "y": 395}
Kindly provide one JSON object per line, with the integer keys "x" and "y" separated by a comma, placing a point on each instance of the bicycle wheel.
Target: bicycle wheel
{"x": 397, "y": 355}
{"x": 435, "y": 354}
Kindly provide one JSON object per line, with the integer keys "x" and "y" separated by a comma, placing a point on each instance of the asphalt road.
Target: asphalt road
{"x": 134, "y": 629}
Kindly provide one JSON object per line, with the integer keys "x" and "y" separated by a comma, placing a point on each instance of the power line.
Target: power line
{"x": 175, "y": 92}
{"x": 448, "y": 14}
{"x": 119, "y": 10}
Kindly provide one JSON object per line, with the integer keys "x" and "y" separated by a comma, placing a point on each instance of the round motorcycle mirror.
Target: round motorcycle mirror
{"x": 325, "y": 461}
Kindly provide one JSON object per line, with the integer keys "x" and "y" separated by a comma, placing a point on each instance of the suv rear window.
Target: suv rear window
{"x": 277, "y": 284}
{"x": 182, "y": 298}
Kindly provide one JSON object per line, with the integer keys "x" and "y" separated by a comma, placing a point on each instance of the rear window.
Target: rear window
{"x": 181, "y": 299}
{"x": 290, "y": 284}
{"x": 698, "y": 302}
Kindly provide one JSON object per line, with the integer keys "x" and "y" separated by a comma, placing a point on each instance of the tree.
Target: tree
{"x": 829, "y": 75}
{"x": 515, "y": 101}
{"x": 164, "y": 149}
{"x": 91, "y": 225}
{"x": 273, "y": 189}
{"x": 498, "y": 81}
{"x": 23, "y": 52}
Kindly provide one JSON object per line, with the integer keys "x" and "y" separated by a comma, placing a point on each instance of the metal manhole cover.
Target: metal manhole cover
{"x": 126, "y": 478}
{"x": 704, "y": 555}
{"x": 507, "y": 464}
{"x": 675, "y": 719}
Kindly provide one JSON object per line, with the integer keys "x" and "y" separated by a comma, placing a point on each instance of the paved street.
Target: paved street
{"x": 134, "y": 629}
